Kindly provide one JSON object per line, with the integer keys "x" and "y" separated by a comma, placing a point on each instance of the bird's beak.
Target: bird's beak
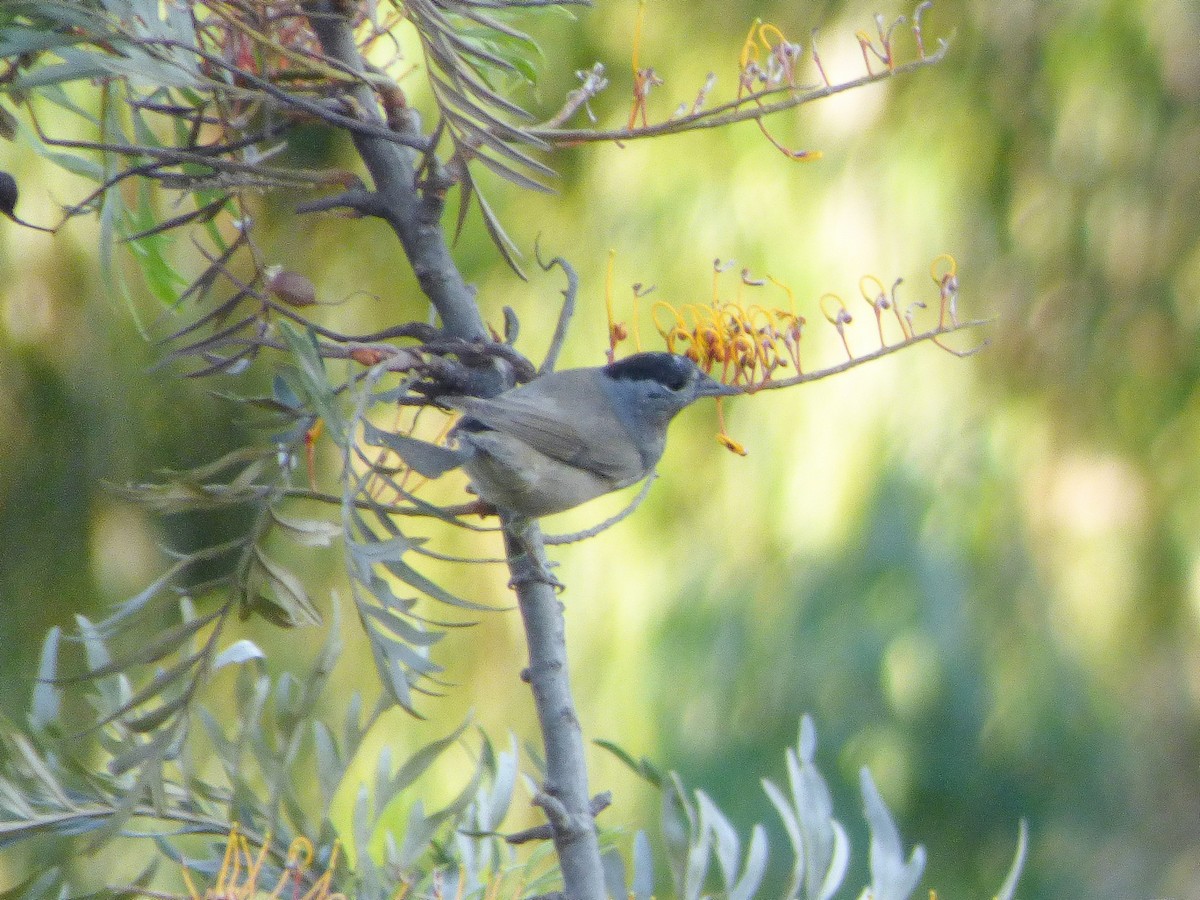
{"x": 710, "y": 387}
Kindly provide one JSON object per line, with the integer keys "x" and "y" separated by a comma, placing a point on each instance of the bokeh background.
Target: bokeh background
{"x": 981, "y": 577}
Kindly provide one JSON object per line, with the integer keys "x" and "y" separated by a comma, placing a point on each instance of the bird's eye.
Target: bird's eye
{"x": 676, "y": 381}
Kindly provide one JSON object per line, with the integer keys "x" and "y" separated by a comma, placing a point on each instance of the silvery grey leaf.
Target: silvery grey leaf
{"x": 892, "y": 877}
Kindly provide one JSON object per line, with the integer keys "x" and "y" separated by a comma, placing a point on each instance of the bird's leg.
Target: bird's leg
{"x": 530, "y": 564}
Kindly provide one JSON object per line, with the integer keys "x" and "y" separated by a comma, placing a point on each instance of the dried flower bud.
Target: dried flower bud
{"x": 366, "y": 356}
{"x": 730, "y": 444}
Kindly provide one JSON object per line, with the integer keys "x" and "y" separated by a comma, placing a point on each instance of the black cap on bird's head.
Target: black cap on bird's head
{"x": 668, "y": 369}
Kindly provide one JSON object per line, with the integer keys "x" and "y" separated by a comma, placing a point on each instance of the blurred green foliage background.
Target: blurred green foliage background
{"x": 981, "y": 576}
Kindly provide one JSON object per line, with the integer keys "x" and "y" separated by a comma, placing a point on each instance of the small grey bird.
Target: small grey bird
{"x": 566, "y": 437}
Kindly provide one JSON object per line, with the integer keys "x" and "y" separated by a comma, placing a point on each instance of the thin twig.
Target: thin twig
{"x": 599, "y": 803}
{"x": 933, "y": 335}
{"x": 730, "y": 112}
{"x": 568, "y": 308}
{"x": 559, "y": 539}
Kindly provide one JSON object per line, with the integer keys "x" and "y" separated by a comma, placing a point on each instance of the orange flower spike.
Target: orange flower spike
{"x": 227, "y": 863}
{"x": 750, "y": 45}
{"x": 895, "y": 304}
{"x": 193, "y": 894}
{"x": 864, "y": 41}
{"x": 688, "y": 317}
{"x": 793, "y": 329}
{"x": 771, "y": 335}
{"x": 719, "y": 269}
{"x": 701, "y": 333}
{"x": 643, "y": 79}
{"x": 682, "y": 334}
{"x": 878, "y": 301}
{"x": 767, "y": 31}
{"x": 710, "y": 339}
{"x": 729, "y": 327}
{"x": 616, "y": 331}
{"x": 723, "y": 436}
{"x": 787, "y": 290}
{"x": 839, "y": 320}
{"x": 320, "y": 888}
{"x": 754, "y": 332}
{"x": 748, "y": 67}
{"x": 726, "y": 329}
{"x": 638, "y": 294}
{"x": 780, "y": 54}
{"x": 817, "y": 59}
{"x": 746, "y": 356}
{"x": 668, "y": 333}
{"x": 254, "y": 866}
{"x": 299, "y": 858}
{"x": 947, "y": 283}
{"x": 310, "y": 451}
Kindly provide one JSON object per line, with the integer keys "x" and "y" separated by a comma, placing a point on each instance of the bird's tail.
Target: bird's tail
{"x": 429, "y": 460}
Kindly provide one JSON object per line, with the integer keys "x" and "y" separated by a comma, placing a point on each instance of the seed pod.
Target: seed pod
{"x": 291, "y": 288}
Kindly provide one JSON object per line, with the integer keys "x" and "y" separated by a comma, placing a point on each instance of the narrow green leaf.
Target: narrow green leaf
{"x": 755, "y": 868}
{"x": 140, "y": 753}
{"x": 171, "y": 640}
{"x": 38, "y": 885}
{"x": 360, "y": 821}
{"x": 154, "y": 718}
{"x": 411, "y": 659}
{"x": 287, "y": 591}
{"x": 399, "y": 628}
{"x": 161, "y": 680}
{"x": 353, "y": 730}
{"x": 417, "y": 835}
{"x": 642, "y": 885}
{"x": 311, "y": 368}
{"x": 395, "y": 678}
{"x": 422, "y": 759}
{"x": 16, "y": 40}
{"x": 307, "y": 532}
{"x": 503, "y": 782}
{"x": 614, "y": 873}
{"x": 41, "y": 770}
{"x": 329, "y": 763}
{"x": 415, "y": 579}
{"x": 1009, "y": 889}
{"x": 643, "y": 768}
{"x": 47, "y": 698}
{"x": 237, "y": 653}
{"x": 728, "y": 844}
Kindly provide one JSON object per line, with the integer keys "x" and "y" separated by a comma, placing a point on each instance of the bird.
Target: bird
{"x": 566, "y": 437}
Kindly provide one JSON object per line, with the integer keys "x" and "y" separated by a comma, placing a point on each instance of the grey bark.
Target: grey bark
{"x": 416, "y": 220}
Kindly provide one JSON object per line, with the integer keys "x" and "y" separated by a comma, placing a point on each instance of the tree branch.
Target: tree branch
{"x": 393, "y": 170}
{"x": 565, "y": 799}
{"x": 394, "y": 175}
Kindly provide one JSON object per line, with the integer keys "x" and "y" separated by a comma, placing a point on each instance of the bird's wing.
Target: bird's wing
{"x": 548, "y": 428}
